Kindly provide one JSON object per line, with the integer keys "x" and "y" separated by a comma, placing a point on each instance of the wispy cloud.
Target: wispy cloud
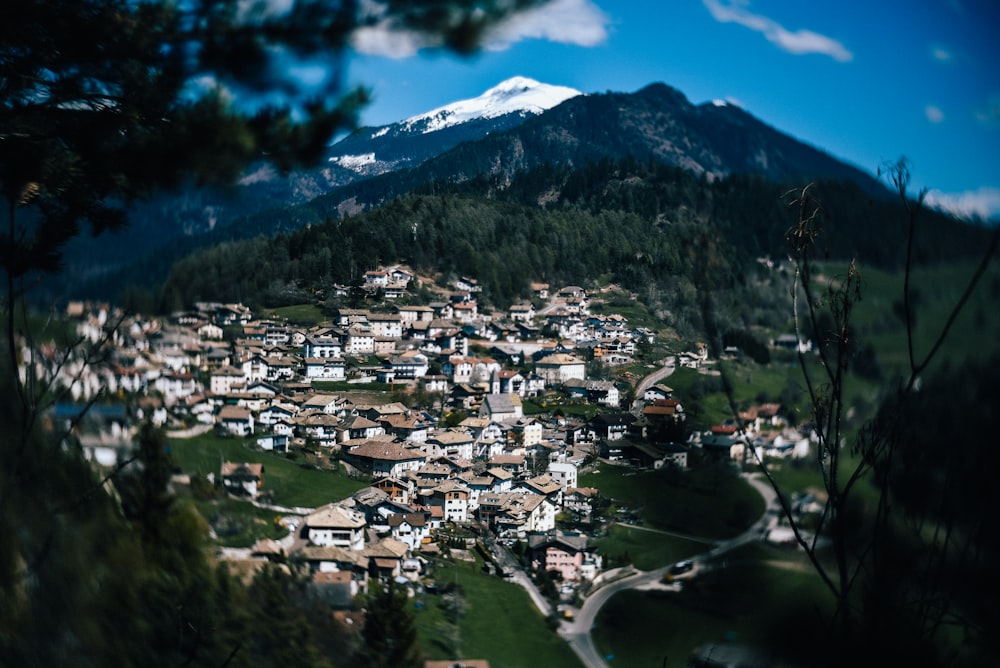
{"x": 941, "y": 54}
{"x": 982, "y": 204}
{"x": 933, "y": 114}
{"x": 989, "y": 115}
{"x": 797, "y": 42}
{"x": 578, "y": 22}
{"x": 386, "y": 39}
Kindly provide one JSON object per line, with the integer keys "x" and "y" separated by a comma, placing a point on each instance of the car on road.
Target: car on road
{"x": 682, "y": 567}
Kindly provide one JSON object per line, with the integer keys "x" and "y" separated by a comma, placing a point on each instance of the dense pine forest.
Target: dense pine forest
{"x": 668, "y": 236}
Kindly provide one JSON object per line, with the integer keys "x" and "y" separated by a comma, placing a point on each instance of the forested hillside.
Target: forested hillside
{"x": 669, "y": 236}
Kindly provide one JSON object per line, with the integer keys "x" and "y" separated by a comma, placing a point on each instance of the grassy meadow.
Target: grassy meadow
{"x": 709, "y": 501}
{"x": 761, "y": 596}
{"x": 291, "y": 483}
{"x": 499, "y": 622}
{"x": 645, "y": 549}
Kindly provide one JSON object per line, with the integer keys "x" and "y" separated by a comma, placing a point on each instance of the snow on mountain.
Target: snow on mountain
{"x": 517, "y": 94}
{"x": 372, "y": 151}
{"x": 355, "y": 162}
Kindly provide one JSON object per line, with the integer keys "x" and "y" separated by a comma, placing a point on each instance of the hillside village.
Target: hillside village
{"x": 460, "y": 453}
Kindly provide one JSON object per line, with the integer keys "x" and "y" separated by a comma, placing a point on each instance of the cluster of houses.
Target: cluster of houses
{"x": 761, "y": 430}
{"x": 260, "y": 378}
{"x": 497, "y": 468}
{"x": 384, "y": 530}
{"x": 421, "y": 487}
{"x": 425, "y": 344}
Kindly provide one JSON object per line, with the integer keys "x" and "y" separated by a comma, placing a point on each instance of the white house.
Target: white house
{"x": 277, "y": 412}
{"x": 501, "y": 407}
{"x": 409, "y": 528}
{"x": 560, "y": 367}
{"x": 563, "y": 473}
{"x": 324, "y": 368}
{"x": 388, "y": 325}
{"x": 382, "y": 458}
{"x": 360, "y": 341}
{"x": 242, "y": 479}
{"x": 321, "y": 346}
{"x": 225, "y": 379}
{"x": 236, "y": 420}
{"x": 335, "y": 526}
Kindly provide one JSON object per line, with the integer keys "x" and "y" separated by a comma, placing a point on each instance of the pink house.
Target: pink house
{"x": 565, "y": 553}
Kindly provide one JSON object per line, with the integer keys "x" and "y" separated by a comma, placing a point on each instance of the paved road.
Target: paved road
{"x": 191, "y": 432}
{"x": 655, "y": 377}
{"x": 648, "y": 382}
{"x": 578, "y": 632}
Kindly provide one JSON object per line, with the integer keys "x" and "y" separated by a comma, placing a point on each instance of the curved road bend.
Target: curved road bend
{"x": 578, "y": 632}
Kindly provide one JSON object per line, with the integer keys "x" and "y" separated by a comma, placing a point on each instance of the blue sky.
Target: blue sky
{"x": 868, "y": 82}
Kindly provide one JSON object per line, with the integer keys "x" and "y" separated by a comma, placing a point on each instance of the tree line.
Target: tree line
{"x": 672, "y": 237}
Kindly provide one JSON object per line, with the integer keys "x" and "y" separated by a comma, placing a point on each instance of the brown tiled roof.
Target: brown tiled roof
{"x": 244, "y": 469}
{"x": 385, "y": 451}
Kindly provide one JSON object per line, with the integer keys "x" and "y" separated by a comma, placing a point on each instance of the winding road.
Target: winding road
{"x": 578, "y": 632}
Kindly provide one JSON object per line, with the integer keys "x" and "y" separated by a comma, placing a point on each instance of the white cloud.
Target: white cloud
{"x": 578, "y": 22}
{"x": 941, "y": 54}
{"x": 385, "y": 39}
{"x": 798, "y": 42}
{"x": 933, "y": 114}
{"x": 990, "y": 114}
{"x": 981, "y": 204}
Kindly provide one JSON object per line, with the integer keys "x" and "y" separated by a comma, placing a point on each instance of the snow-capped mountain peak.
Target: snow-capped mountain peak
{"x": 517, "y": 94}
{"x": 372, "y": 151}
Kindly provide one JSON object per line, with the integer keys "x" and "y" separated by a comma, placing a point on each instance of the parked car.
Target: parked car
{"x": 682, "y": 567}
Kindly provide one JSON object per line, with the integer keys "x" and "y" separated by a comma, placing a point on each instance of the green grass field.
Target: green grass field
{"x": 239, "y": 524}
{"x": 709, "y": 501}
{"x": 298, "y": 314}
{"x": 291, "y": 484}
{"x": 500, "y": 623}
{"x": 934, "y": 292}
{"x": 762, "y": 597}
{"x": 646, "y": 549}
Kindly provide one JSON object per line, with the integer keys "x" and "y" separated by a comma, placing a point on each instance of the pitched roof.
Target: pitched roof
{"x": 242, "y": 469}
{"x": 334, "y": 517}
{"x": 413, "y": 519}
{"x": 449, "y": 437}
{"x": 559, "y": 359}
{"x": 543, "y": 484}
{"x": 586, "y": 492}
{"x": 385, "y": 451}
{"x": 501, "y": 474}
{"x": 357, "y": 422}
{"x": 501, "y": 403}
{"x": 332, "y": 553}
{"x": 234, "y": 413}
{"x": 500, "y": 460}
{"x": 386, "y": 548}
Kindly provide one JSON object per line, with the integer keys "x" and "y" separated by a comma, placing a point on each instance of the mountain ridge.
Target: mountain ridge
{"x": 655, "y": 123}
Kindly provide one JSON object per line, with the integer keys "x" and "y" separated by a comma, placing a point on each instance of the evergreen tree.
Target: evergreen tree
{"x": 390, "y": 634}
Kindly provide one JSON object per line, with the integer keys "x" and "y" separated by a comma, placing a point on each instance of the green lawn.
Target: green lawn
{"x": 647, "y": 550}
{"x": 637, "y": 313}
{"x": 750, "y": 600}
{"x": 934, "y": 291}
{"x": 298, "y": 314}
{"x": 500, "y": 623}
{"x": 344, "y": 386}
{"x": 710, "y": 501}
{"x": 550, "y": 405}
{"x": 291, "y": 484}
{"x": 238, "y": 523}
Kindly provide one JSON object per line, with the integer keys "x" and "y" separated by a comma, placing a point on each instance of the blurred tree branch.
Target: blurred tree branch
{"x": 876, "y": 606}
